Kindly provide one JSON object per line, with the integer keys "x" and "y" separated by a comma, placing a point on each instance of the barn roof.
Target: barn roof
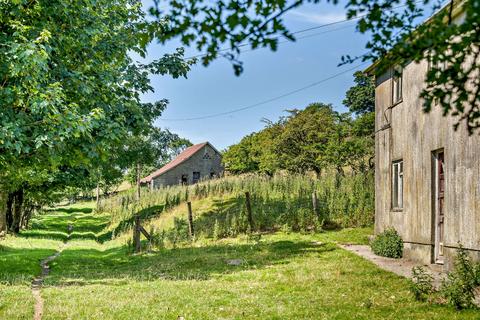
{"x": 182, "y": 157}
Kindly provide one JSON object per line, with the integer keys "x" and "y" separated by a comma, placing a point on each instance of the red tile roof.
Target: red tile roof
{"x": 182, "y": 157}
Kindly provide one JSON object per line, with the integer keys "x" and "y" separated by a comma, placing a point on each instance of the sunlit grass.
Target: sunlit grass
{"x": 272, "y": 276}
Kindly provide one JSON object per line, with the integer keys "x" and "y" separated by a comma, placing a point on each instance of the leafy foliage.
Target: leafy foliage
{"x": 459, "y": 286}
{"x": 360, "y": 99}
{"x": 388, "y": 244}
{"x": 421, "y": 285}
{"x": 70, "y": 94}
{"x": 313, "y": 139}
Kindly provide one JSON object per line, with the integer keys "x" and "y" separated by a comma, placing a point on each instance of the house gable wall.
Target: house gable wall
{"x": 404, "y": 131}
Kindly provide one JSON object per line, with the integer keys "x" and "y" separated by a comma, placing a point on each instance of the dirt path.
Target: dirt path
{"x": 37, "y": 283}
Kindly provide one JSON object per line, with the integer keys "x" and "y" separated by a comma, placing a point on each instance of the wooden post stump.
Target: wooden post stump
{"x": 136, "y": 235}
{"x": 191, "y": 231}
{"x": 249, "y": 211}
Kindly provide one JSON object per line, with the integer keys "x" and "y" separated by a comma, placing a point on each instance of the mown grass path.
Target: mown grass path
{"x": 38, "y": 282}
{"x": 280, "y": 276}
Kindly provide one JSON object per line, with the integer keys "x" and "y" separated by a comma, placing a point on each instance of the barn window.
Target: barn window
{"x": 397, "y": 84}
{"x": 397, "y": 184}
{"x": 206, "y": 156}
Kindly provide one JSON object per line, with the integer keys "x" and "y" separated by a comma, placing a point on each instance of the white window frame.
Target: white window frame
{"x": 397, "y": 85}
{"x": 397, "y": 185}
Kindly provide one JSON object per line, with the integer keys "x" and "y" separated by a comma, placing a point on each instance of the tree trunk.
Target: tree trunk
{"x": 3, "y": 212}
{"x": 17, "y": 211}
{"x": 9, "y": 210}
{"x": 139, "y": 177}
{"x": 28, "y": 210}
{"x": 98, "y": 195}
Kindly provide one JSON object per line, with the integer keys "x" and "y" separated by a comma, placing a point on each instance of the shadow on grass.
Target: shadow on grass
{"x": 19, "y": 266}
{"x": 44, "y": 234}
{"x": 268, "y": 214}
{"x": 87, "y": 266}
{"x": 70, "y": 210}
{"x": 55, "y": 225}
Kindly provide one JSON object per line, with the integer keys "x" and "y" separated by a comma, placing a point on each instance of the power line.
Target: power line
{"x": 215, "y": 115}
{"x": 293, "y": 33}
{"x": 305, "y": 37}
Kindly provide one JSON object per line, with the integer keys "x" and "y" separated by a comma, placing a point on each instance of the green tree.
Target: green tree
{"x": 242, "y": 157}
{"x": 69, "y": 90}
{"x": 358, "y": 143}
{"x": 306, "y": 133}
{"x": 360, "y": 99}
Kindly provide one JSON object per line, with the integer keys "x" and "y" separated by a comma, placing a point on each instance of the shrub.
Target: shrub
{"x": 421, "y": 285}
{"x": 459, "y": 286}
{"x": 217, "y": 233}
{"x": 388, "y": 244}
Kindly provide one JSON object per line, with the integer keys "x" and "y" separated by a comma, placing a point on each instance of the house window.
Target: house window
{"x": 212, "y": 175}
{"x": 196, "y": 177}
{"x": 184, "y": 179}
{"x": 397, "y": 84}
{"x": 397, "y": 184}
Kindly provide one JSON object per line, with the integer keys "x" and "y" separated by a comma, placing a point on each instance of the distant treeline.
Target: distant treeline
{"x": 313, "y": 139}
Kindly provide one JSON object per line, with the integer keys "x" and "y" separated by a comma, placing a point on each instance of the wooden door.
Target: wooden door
{"x": 439, "y": 206}
{"x": 196, "y": 177}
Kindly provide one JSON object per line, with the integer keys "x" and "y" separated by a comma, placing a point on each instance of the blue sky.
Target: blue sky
{"x": 267, "y": 74}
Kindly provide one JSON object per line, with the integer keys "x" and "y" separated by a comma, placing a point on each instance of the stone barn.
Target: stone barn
{"x": 427, "y": 175}
{"x": 198, "y": 162}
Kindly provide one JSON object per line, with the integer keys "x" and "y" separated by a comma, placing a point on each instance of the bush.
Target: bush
{"x": 421, "y": 285}
{"x": 459, "y": 286}
{"x": 388, "y": 244}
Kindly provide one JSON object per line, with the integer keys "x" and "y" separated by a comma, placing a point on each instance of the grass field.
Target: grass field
{"x": 279, "y": 276}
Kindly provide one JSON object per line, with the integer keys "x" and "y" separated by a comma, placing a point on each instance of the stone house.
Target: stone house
{"x": 427, "y": 175}
{"x": 198, "y": 162}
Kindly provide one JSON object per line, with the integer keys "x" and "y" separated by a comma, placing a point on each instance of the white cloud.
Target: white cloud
{"x": 318, "y": 18}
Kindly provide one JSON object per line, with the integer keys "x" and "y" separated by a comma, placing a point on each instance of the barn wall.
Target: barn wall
{"x": 196, "y": 163}
{"x": 404, "y": 131}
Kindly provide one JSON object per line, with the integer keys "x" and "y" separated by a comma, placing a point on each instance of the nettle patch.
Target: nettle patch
{"x": 388, "y": 244}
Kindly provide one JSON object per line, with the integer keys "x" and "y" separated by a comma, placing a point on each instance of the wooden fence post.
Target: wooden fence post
{"x": 136, "y": 235}
{"x": 139, "y": 177}
{"x": 249, "y": 211}
{"x": 190, "y": 220}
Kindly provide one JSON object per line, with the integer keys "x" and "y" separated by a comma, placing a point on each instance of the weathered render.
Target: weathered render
{"x": 198, "y": 162}
{"x": 423, "y": 141}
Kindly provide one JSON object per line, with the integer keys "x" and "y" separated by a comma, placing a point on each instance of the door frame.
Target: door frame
{"x": 438, "y": 244}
